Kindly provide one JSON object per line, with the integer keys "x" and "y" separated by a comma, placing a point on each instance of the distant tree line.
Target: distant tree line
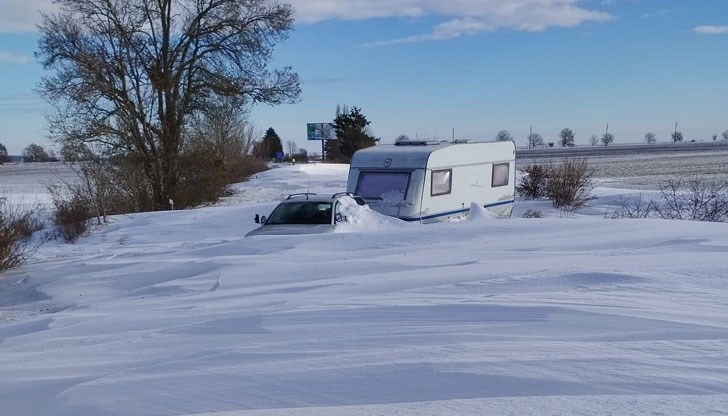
{"x": 566, "y": 138}
{"x": 32, "y": 153}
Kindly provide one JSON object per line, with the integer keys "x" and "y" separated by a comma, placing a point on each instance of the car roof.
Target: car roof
{"x": 315, "y": 197}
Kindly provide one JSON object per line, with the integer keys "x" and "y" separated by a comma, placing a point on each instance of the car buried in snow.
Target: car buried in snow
{"x": 307, "y": 213}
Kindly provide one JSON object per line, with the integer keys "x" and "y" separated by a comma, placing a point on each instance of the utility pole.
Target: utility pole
{"x": 530, "y": 136}
{"x": 674, "y": 137}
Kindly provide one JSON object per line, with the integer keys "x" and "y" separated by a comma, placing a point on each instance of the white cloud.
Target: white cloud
{"x": 464, "y": 17}
{"x": 711, "y": 30}
{"x": 19, "y": 16}
{"x": 11, "y": 58}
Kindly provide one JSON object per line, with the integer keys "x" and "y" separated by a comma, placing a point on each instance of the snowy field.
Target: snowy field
{"x": 27, "y": 183}
{"x": 644, "y": 166}
{"x": 175, "y": 313}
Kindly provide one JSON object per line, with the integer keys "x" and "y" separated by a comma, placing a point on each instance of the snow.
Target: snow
{"x": 175, "y": 313}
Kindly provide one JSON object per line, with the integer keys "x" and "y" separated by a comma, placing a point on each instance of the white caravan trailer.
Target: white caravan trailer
{"x": 435, "y": 181}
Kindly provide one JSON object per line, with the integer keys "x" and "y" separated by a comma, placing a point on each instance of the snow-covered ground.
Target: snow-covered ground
{"x": 173, "y": 313}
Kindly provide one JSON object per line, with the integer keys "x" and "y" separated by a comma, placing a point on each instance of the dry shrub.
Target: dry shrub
{"x": 119, "y": 185}
{"x": 633, "y": 207}
{"x": 533, "y": 182}
{"x": 694, "y": 199}
{"x": 17, "y": 226}
{"x": 532, "y": 214}
{"x": 132, "y": 189}
{"x": 206, "y": 178}
{"x": 569, "y": 183}
{"x": 215, "y": 157}
{"x": 71, "y": 218}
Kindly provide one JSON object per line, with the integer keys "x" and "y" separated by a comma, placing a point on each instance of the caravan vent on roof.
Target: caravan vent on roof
{"x": 415, "y": 143}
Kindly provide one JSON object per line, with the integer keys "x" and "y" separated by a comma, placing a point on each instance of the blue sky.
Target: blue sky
{"x": 426, "y": 67}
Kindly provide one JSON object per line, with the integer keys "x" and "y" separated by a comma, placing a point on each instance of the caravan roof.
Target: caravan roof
{"x": 415, "y": 155}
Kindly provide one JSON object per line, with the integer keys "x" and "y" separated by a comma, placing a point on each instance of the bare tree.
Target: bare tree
{"x": 534, "y": 140}
{"x": 92, "y": 194}
{"x": 677, "y": 137}
{"x": 725, "y": 135}
{"x": 594, "y": 140}
{"x": 217, "y": 153}
{"x": 225, "y": 131}
{"x": 292, "y": 147}
{"x": 566, "y": 138}
{"x": 503, "y": 135}
{"x": 130, "y": 74}
{"x": 607, "y": 139}
{"x": 35, "y": 153}
{"x": 650, "y": 137}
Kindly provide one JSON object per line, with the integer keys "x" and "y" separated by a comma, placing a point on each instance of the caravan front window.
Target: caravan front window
{"x": 383, "y": 185}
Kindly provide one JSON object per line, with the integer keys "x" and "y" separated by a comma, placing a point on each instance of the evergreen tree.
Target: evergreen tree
{"x": 352, "y": 134}
{"x": 269, "y": 145}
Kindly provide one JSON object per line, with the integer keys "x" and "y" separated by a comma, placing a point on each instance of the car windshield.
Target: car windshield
{"x": 301, "y": 212}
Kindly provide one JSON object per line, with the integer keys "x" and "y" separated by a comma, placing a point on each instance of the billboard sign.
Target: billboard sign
{"x": 320, "y": 131}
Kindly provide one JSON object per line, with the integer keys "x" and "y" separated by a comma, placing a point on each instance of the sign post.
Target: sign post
{"x": 320, "y": 131}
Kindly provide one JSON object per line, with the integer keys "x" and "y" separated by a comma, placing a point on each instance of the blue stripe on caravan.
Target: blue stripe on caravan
{"x": 448, "y": 213}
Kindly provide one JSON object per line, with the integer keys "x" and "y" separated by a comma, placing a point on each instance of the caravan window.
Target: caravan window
{"x": 500, "y": 174}
{"x": 383, "y": 185}
{"x": 441, "y": 182}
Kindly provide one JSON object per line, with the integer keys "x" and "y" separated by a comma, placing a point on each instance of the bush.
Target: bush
{"x": 532, "y": 214}
{"x": 207, "y": 179}
{"x": 533, "y": 182}
{"x": 633, "y": 207}
{"x": 71, "y": 218}
{"x": 569, "y": 183}
{"x": 17, "y": 226}
{"x": 694, "y": 199}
